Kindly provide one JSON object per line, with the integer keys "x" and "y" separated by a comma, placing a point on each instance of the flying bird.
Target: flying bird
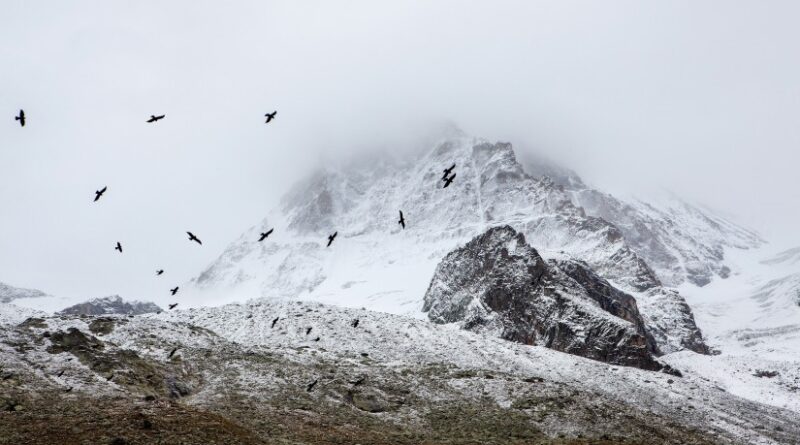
{"x": 174, "y": 291}
{"x": 449, "y": 180}
{"x": 173, "y": 305}
{"x": 331, "y": 238}
{"x": 311, "y": 385}
{"x": 171, "y": 353}
{"x": 60, "y": 373}
{"x": 159, "y": 271}
{"x": 274, "y": 321}
{"x": 308, "y": 331}
{"x": 270, "y": 116}
{"x": 402, "y": 221}
{"x": 354, "y": 323}
{"x": 99, "y": 193}
{"x": 68, "y": 389}
{"x": 20, "y": 118}
{"x": 154, "y": 118}
{"x": 119, "y": 247}
{"x": 194, "y": 238}
{"x": 264, "y": 235}
{"x": 447, "y": 172}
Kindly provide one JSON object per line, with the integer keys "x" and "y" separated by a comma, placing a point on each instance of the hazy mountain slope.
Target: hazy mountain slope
{"x": 9, "y": 293}
{"x": 389, "y": 379}
{"x": 679, "y": 241}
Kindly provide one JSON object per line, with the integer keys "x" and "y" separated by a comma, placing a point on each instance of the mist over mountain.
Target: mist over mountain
{"x": 9, "y": 293}
{"x": 440, "y": 222}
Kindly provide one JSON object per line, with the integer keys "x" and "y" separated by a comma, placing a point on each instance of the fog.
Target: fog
{"x": 702, "y": 98}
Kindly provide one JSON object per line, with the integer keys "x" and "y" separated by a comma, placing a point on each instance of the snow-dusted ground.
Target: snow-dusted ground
{"x": 753, "y": 320}
{"x": 384, "y": 342}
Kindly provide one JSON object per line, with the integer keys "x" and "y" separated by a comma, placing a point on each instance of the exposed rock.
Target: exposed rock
{"x": 498, "y": 283}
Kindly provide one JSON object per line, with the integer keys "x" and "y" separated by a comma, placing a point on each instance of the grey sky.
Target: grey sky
{"x": 700, "y": 97}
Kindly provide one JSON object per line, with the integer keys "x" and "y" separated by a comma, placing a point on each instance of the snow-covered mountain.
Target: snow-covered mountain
{"x": 374, "y": 263}
{"x": 9, "y": 293}
{"x": 111, "y": 305}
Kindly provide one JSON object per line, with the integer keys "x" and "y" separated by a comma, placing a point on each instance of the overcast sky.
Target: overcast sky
{"x": 700, "y": 97}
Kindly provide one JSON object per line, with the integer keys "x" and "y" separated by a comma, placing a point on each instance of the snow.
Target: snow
{"x": 753, "y": 320}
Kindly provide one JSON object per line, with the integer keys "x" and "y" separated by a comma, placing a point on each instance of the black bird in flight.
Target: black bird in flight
{"x": 68, "y": 389}
{"x": 173, "y": 305}
{"x": 174, "y": 291}
{"x": 308, "y": 331}
{"x": 270, "y": 116}
{"x": 274, "y": 321}
{"x": 331, "y": 238}
{"x": 449, "y": 180}
{"x": 99, "y": 193}
{"x": 171, "y": 353}
{"x": 119, "y": 247}
{"x": 159, "y": 271}
{"x": 311, "y": 385}
{"x": 20, "y": 118}
{"x": 194, "y": 238}
{"x": 355, "y": 323}
{"x": 402, "y": 221}
{"x": 60, "y": 373}
{"x": 154, "y": 118}
{"x": 264, "y": 235}
{"x": 447, "y": 172}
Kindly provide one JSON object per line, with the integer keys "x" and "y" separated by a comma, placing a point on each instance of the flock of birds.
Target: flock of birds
{"x": 447, "y": 178}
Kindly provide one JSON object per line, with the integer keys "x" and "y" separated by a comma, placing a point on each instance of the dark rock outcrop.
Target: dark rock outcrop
{"x": 497, "y": 283}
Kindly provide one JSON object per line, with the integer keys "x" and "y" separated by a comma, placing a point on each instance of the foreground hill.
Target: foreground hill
{"x": 304, "y": 373}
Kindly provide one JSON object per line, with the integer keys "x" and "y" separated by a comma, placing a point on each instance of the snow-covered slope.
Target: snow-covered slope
{"x": 679, "y": 241}
{"x": 753, "y": 321}
{"x": 375, "y": 264}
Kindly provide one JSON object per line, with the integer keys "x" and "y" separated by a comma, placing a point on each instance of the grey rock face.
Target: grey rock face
{"x": 610, "y": 299}
{"x": 498, "y": 283}
{"x": 111, "y": 305}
